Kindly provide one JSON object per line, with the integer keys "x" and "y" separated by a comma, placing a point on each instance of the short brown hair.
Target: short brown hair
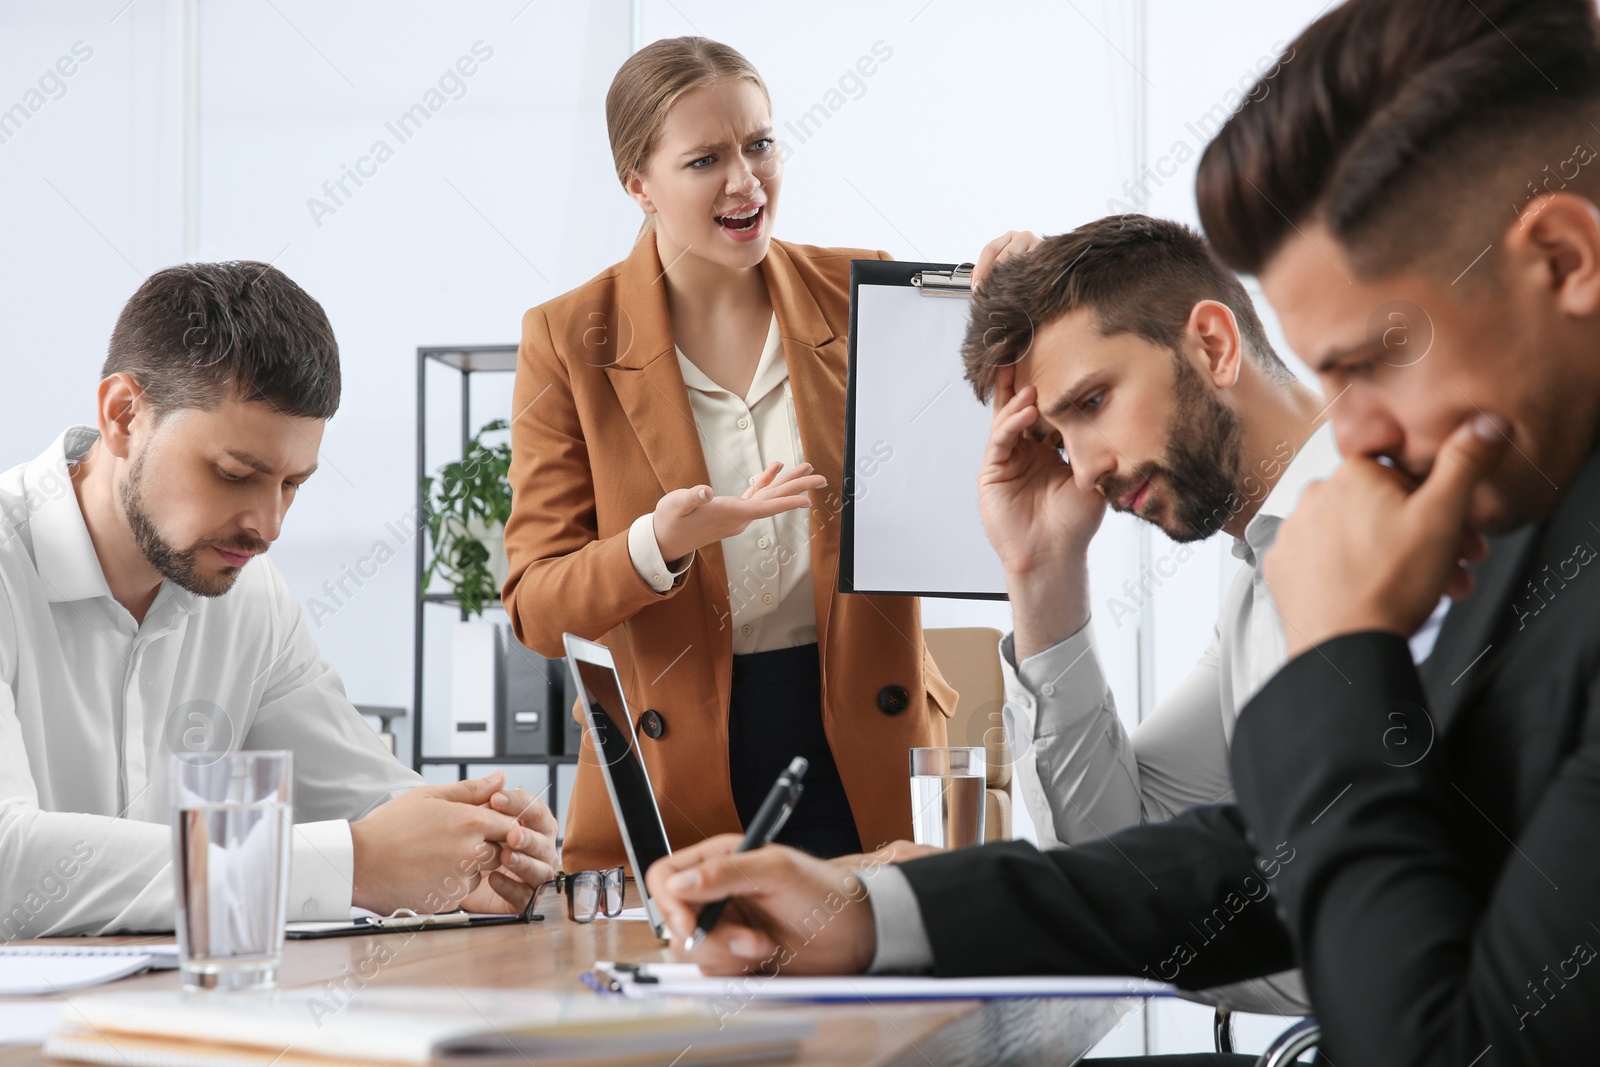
{"x": 1408, "y": 130}
{"x": 197, "y": 334}
{"x": 1138, "y": 274}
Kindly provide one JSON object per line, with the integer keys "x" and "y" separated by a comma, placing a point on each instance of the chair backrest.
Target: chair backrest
{"x": 969, "y": 659}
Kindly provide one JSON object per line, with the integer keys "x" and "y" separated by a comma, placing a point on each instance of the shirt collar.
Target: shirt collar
{"x": 771, "y": 370}
{"x": 1317, "y": 459}
{"x": 62, "y": 549}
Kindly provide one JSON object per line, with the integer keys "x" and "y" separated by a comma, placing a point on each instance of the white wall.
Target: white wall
{"x": 982, "y": 118}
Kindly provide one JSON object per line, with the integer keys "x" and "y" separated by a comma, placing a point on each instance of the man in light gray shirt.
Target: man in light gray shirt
{"x": 1220, "y": 437}
{"x": 1128, "y": 369}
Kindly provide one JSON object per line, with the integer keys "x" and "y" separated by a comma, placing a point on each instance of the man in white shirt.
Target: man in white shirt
{"x": 135, "y": 622}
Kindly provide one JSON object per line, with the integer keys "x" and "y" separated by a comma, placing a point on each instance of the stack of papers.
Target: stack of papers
{"x": 401, "y": 1025}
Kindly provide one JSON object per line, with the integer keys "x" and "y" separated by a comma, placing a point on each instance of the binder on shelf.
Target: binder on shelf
{"x": 476, "y": 688}
{"x": 536, "y": 717}
{"x": 914, "y": 438}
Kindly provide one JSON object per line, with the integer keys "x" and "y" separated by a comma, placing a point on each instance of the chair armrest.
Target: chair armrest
{"x": 1287, "y": 1047}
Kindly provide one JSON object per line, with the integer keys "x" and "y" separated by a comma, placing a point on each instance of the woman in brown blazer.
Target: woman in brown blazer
{"x": 677, "y": 471}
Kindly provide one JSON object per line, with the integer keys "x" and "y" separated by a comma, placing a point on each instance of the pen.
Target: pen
{"x": 773, "y": 813}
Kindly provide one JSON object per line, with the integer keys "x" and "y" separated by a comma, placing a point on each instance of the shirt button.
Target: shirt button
{"x": 761, "y": 542}
{"x": 750, "y": 480}
{"x": 745, "y": 629}
{"x": 744, "y": 423}
{"x": 657, "y": 579}
{"x": 766, "y": 598}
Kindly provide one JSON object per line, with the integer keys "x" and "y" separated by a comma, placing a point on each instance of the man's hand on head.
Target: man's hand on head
{"x": 1369, "y": 549}
{"x": 788, "y": 911}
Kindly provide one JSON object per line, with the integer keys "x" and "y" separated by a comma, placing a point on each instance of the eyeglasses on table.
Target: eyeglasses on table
{"x": 590, "y": 894}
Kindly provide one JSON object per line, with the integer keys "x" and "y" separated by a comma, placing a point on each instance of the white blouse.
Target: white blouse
{"x": 770, "y": 602}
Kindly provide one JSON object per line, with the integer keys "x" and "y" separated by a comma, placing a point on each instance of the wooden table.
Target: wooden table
{"x": 550, "y": 955}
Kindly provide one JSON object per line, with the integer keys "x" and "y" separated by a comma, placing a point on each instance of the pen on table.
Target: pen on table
{"x": 770, "y": 817}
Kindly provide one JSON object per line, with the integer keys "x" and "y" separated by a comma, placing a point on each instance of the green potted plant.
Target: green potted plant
{"x": 466, "y": 505}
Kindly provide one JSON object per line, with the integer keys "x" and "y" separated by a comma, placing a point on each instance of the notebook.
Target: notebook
{"x": 649, "y": 981}
{"x": 38, "y": 970}
{"x": 398, "y": 1025}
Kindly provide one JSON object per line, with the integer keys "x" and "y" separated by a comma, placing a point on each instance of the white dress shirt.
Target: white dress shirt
{"x": 92, "y": 703}
{"x": 769, "y": 564}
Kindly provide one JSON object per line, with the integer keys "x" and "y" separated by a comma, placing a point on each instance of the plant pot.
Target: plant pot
{"x": 493, "y": 537}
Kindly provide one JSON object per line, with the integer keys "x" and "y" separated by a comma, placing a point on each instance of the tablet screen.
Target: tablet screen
{"x": 612, "y": 734}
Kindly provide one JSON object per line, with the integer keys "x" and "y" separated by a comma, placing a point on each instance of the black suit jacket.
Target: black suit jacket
{"x": 1424, "y": 845}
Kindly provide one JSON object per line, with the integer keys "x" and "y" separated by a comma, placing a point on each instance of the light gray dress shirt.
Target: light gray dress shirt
{"x": 92, "y": 704}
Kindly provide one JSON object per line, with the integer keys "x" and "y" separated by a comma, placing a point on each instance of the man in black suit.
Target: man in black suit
{"x": 1417, "y": 193}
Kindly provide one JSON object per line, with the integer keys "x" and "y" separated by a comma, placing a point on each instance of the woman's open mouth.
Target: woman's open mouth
{"x": 743, "y": 225}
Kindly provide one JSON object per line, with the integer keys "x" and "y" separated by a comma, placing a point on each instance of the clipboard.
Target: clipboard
{"x": 914, "y": 438}
{"x": 361, "y": 925}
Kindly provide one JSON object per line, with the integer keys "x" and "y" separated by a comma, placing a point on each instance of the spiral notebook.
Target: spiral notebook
{"x": 41, "y": 970}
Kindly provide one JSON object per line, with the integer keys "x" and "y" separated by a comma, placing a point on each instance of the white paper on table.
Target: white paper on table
{"x": 26, "y": 976}
{"x": 686, "y": 980}
{"x": 27, "y": 1022}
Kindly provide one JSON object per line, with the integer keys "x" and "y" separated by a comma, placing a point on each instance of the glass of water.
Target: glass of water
{"x": 947, "y": 796}
{"x": 232, "y": 827}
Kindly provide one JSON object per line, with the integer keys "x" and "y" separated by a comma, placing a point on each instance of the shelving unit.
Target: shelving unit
{"x": 466, "y": 360}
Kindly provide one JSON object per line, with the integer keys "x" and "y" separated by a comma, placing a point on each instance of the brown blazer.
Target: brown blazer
{"x": 602, "y": 429}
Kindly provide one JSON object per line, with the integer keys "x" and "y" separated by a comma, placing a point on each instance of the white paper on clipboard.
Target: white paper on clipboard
{"x": 916, "y": 525}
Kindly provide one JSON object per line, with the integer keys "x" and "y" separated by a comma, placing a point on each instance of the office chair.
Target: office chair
{"x": 1288, "y": 1046}
{"x": 969, "y": 659}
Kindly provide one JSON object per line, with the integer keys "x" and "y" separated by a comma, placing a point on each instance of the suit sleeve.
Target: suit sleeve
{"x": 564, "y": 576}
{"x": 1414, "y": 954}
{"x": 1184, "y": 902}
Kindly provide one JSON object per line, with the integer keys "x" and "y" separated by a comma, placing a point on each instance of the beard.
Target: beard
{"x": 1201, "y": 472}
{"x": 180, "y": 566}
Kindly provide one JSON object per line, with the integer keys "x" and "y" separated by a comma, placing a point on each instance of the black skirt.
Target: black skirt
{"x": 774, "y": 715}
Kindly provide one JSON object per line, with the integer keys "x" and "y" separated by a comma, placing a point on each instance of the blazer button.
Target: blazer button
{"x": 893, "y": 699}
{"x": 652, "y": 724}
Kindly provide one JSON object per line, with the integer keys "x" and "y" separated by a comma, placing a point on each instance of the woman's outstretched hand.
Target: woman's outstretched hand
{"x": 689, "y": 519}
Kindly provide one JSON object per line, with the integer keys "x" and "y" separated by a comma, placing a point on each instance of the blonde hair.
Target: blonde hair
{"x": 650, "y": 82}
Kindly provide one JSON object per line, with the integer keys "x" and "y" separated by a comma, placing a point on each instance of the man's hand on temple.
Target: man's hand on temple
{"x": 789, "y": 911}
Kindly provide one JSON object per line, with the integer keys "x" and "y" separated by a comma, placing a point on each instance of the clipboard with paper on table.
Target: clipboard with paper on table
{"x": 914, "y": 436}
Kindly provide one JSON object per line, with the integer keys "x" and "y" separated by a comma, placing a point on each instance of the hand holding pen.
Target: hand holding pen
{"x": 770, "y": 817}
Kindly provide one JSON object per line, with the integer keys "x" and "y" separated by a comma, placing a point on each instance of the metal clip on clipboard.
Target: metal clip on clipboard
{"x": 954, "y": 282}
